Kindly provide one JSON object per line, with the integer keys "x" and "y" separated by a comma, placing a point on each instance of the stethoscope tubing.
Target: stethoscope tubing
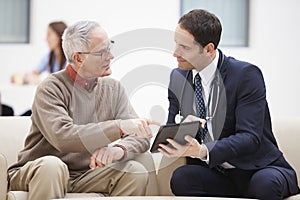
{"x": 216, "y": 80}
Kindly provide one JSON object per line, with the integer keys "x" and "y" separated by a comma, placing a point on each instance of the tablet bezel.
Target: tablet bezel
{"x": 176, "y": 132}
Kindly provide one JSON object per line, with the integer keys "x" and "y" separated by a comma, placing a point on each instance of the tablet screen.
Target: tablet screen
{"x": 176, "y": 132}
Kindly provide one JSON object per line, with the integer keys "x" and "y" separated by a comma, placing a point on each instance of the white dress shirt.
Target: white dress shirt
{"x": 207, "y": 76}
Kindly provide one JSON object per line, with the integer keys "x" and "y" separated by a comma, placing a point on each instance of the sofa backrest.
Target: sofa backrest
{"x": 12, "y": 136}
{"x": 287, "y": 133}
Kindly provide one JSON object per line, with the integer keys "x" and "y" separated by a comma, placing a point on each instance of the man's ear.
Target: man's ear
{"x": 210, "y": 48}
{"x": 77, "y": 59}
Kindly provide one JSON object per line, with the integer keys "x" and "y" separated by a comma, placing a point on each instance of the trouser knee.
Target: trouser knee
{"x": 51, "y": 168}
{"x": 136, "y": 171}
{"x": 270, "y": 187}
{"x": 51, "y": 165}
{"x": 177, "y": 182}
{"x": 44, "y": 178}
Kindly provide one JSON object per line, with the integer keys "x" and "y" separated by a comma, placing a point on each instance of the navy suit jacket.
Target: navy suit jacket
{"x": 241, "y": 124}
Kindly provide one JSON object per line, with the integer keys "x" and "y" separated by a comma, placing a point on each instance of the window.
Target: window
{"x": 14, "y": 21}
{"x": 233, "y": 14}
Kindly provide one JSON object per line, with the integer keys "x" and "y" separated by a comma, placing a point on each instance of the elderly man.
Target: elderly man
{"x": 76, "y": 115}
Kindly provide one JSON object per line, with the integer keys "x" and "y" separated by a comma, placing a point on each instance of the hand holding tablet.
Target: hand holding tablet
{"x": 176, "y": 132}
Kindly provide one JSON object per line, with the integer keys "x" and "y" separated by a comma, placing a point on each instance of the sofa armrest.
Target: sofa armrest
{"x": 3, "y": 177}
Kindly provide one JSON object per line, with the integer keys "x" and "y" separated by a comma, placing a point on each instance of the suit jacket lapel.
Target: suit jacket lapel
{"x": 219, "y": 100}
{"x": 188, "y": 96}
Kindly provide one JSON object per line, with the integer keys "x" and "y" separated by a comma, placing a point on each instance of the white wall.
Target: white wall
{"x": 274, "y": 38}
{"x": 274, "y": 43}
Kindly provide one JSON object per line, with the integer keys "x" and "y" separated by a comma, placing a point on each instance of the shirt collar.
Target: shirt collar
{"x": 207, "y": 74}
{"x": 88, "y": 85}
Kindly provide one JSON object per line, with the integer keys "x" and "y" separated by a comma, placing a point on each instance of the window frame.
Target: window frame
{"x": 23, "y": 36}
{"x": 226, "y": 41}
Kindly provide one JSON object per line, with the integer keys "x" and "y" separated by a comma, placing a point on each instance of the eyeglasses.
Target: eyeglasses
{"x": 103, "y": 52}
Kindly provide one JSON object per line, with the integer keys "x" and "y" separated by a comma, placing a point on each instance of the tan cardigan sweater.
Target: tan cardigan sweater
{"x": 70, "y": 123}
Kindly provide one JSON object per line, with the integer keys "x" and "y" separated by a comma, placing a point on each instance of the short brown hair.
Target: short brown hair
{"x": 203, "y": 25}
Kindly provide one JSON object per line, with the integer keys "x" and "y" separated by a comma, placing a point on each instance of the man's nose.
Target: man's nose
{"x": 110, "y": 56}
{"x": 176, "y": 53}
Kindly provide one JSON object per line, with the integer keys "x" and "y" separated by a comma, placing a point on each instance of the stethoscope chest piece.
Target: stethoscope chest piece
{"x": 178, "y": 118}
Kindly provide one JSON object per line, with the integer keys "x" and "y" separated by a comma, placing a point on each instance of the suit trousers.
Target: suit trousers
{"x": 48, "y": 177}
{"x": 199, "y": 180}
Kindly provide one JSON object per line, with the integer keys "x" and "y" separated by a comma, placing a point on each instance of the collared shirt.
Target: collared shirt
{"x": 207, "y": 75}
{"x": 88, "y": 85}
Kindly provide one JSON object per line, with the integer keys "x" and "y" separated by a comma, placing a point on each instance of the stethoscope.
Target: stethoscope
{"x": 215, "y": 83}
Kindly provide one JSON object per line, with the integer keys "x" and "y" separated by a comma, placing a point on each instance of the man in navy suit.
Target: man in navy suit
{"x": 239, "y": 156}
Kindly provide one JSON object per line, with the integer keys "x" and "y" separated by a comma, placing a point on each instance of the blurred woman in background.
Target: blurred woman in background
{"x": 53, "y": 61}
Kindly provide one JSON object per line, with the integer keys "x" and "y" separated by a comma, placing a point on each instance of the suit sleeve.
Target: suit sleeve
{"x": 249, "y": 110}
{"x": 173, "y": 100}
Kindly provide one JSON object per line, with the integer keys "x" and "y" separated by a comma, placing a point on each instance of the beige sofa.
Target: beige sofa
{"x": 14, "y": 130}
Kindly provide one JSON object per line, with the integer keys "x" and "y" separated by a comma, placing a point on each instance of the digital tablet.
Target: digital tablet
{"x": 176, "y": 132}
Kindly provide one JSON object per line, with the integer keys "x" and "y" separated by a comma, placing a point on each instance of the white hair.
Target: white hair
{"x": 76, "y": 38}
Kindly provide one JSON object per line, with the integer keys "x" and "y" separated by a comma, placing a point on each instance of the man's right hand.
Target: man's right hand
{"x": 137, "y": 127}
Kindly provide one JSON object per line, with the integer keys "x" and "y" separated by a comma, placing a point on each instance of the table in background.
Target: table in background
{"x": 19, "y": 97}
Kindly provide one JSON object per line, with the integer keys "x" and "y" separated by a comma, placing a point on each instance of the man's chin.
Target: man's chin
{"x": 106, "y": 72}
{"x": 185, "y": 67}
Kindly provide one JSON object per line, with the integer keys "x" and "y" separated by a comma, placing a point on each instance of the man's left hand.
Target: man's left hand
{"x": 192, "y": 148}
{"x": 105, "y": 156}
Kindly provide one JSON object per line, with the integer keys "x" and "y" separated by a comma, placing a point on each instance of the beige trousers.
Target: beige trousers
{"x": 48, "y": 177}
